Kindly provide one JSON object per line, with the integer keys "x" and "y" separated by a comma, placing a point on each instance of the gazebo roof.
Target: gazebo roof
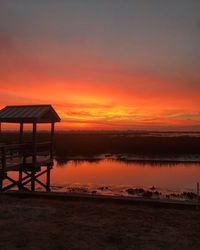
{"x": 29, "y": 114}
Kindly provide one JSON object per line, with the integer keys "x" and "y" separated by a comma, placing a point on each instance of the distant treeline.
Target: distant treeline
{"x": 88, "y": 144}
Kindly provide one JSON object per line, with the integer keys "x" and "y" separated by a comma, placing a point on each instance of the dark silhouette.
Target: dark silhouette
{"x": 31, "y": 159}
{"x": 89, "y": 144}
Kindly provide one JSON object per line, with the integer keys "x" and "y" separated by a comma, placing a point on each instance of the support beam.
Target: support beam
{"x": 36, "y": 176}
{"x": 21, "y": 133}
{"x": 26, "y": 180}
{"x": 1, "y": 171}
{"x": 3, "y": 167}
{"x": 34, "y": 157}
{"x": 20, "y": 178}
{"x": 21, "y": 152}
{"x": 14, "y": 183}
{"x": 52, "y": 140}
{"x": 1, "y": 180}
{"x": 48, "y": 178}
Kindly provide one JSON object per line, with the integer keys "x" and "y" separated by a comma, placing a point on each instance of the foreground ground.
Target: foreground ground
{"x": 48, "y": 223}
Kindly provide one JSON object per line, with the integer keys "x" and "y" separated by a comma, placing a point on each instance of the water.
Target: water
{"x": 114, "y": 177}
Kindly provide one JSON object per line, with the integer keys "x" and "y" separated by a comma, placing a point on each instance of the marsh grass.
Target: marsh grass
{"x": 90, "y": 144}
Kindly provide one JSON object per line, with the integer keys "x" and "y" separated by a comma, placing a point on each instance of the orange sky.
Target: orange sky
{"x": 100, "y": 71}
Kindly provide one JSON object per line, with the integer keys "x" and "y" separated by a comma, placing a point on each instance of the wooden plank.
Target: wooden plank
{"x": 27, "y": 166}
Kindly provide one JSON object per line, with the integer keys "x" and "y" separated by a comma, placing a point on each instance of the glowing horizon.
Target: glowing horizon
{"x": 104, "y": 65}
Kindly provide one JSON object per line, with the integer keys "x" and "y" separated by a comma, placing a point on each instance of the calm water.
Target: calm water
{"x": 112, "y": 176}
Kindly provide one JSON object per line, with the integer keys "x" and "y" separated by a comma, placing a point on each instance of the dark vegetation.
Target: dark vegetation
{"x": 148, "y": 194}
{"x": 90, "y": 144}
{"x": 142, "y": 145}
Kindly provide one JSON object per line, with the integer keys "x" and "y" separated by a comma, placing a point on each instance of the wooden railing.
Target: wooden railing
{"x": 9, "y": 153}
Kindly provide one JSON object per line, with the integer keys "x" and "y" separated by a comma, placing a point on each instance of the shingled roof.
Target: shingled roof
{"x": 29, "y": 114}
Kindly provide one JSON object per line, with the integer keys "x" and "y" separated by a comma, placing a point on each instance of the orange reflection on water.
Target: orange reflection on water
{"x": 112, "y": 172}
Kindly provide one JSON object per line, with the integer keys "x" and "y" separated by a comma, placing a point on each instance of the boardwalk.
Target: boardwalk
{"x": 31, "y": 160}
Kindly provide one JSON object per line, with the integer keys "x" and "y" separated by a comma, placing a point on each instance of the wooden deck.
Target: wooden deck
{"x": 18, "y": 164}
{"x": 28, "y": 159}
{"x": 29, "y": 162}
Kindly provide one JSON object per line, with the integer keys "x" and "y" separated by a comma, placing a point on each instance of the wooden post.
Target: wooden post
{"x": 3, "y": 162}
{"x": 48, "y": 174}
{"x": 21, "y": 133}
{"x": 52, "y": 140}
{"x": 1, "y": 171}
{"x": 21, "y": 150}
{"x": 1, "y": 180}
{"x": 34, "y": 156}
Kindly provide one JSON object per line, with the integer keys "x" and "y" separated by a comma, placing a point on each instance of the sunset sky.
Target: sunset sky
{"x": 104, "y": 64}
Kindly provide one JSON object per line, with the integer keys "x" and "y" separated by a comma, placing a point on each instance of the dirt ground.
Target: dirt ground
{"x": 38, "y": 223}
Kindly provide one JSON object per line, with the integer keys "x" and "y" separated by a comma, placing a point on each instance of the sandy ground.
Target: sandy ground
{"x": 48, "y": 223}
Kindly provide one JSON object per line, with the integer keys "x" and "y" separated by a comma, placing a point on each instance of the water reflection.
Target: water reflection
{"x": 62, "y": 162}
{"x": 118, "y": 175}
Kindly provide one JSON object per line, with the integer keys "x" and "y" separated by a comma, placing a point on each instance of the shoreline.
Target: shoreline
{"x": 132, "y": 158}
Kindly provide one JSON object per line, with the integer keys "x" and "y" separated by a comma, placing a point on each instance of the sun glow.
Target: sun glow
{"x": 140, "y": 75}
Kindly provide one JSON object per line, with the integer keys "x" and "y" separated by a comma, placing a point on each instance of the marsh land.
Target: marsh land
{"x": 83, "y": 143}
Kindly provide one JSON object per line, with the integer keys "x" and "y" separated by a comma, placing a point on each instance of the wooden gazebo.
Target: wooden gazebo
{"x": 30, "y": 160}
